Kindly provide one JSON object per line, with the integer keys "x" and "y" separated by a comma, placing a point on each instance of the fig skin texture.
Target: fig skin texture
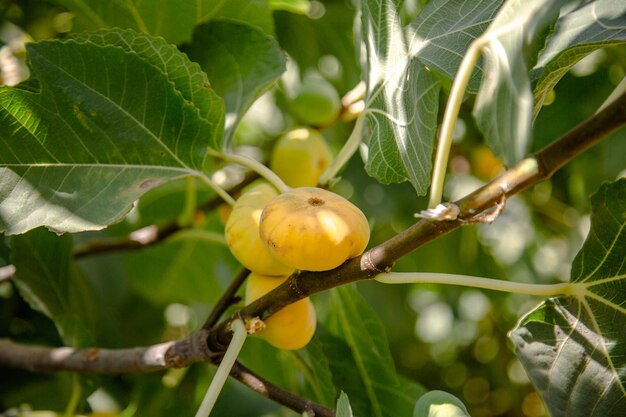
{"x": 313, "y": 229}
{"x": 242, "y": 232}
{"x": 300, "y": 157}
{"x": 290, "y": 328}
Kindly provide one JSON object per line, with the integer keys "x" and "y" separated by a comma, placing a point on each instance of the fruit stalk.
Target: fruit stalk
{"x": 224, "y": 368}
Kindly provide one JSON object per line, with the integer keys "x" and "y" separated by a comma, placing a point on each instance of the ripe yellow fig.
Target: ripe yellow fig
{"x": 242, "y": 232}
{"x": 300, "y": 157}
{"x": 290, "y": 328}
{"x": 313, "y": 229}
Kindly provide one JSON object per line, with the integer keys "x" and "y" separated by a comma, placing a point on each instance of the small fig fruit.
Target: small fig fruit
{"x": 290, "y": 328}
{"x": 316, "y": 102}
{"x": 313, "y": 229}
{"x": 300, "y": 157}
{"x": 242, "y": 232}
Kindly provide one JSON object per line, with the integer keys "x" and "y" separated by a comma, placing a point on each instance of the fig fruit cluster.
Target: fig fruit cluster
{"x": 304, "y": 228}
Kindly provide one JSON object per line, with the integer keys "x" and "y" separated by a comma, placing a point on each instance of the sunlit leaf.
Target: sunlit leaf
{"x": 104, "y": 127}
{"x": 241, "y": 61}
{"x": 504, "y": 104}
{"x": 401, "y": 100}
{"x": 573, "y": 347}
{"x": 594, "y": 25}
{"x": 51, "y": 283}
{"x": 444, "y": 29}
{"x": 360, "y": 360}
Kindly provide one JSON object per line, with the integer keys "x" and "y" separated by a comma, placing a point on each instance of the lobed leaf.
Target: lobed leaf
{"x": 592, "y": 26}
{"x": 95, "y": 128}
{"x": 573, "y": 347}
{"x": 241, "y": 61}
{"x": 503, "y": 108}
{"x": 440, "y": 35}
{"x": 401, "y": 101}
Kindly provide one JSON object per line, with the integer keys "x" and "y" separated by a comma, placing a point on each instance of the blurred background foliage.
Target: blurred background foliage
{"x": 447, "y": 338}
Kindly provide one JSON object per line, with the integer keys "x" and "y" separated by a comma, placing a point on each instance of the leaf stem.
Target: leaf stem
{"x": 449, "y": 120}
{"x": 346, "y": 152}
{"x": 74, "y": 397}
{"x": 189, "y": 209}
{"x": 544, "y": 290}
{"x": 218, "y": 190}
{"x": 255, "y": 166}
{"x": 223, "y": 370}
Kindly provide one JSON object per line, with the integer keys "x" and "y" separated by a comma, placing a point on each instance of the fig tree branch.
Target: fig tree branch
{"x": 107, "y": 361}
{"x": 531, "y": 170}
{"x": 163, "y": 356}
{"x": 227, "y": 299}
{"x": 273, "y": 392}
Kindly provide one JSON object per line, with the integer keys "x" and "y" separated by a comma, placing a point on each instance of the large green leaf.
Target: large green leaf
{"x": 320, "y": 377}
{"x": 504, "y": 104}
{"x": 252, "y": 12}
{"x": 592, "y": 26}
{"x": 242, "y": 63}
{"x": 573, "y": 347}
{"x": 186, "y": 76}
{"x": 192, "y": 266}
{"x": 104, "y": 127}
{"x": 444, "y": 29}
{"x": 401, "y": 100}
{"x": 359, "y": 358}
{"x": 172, "y": 19}
{"x": 51, "y": 283}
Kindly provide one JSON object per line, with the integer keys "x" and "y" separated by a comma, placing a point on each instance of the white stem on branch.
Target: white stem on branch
{"x": 223, "y": 370}
{"x": 255, "y": 166}
{"x": 449, "y": 120}
{"x": 344, "y": 155}
{"x": 544, "y": 290}
{"x": 218, "y": 190}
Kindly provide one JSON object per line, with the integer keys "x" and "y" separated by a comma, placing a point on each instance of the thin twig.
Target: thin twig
{"x": 281, "y": 396}
{"x": 227, "y": 299}
{"x": 152, "y": 235}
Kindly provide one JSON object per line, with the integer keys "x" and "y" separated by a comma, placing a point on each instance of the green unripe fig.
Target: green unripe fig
{"x": 300, "y": 157}
{"x": 439, "y": 404}
{"x": 315, "y": 102}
